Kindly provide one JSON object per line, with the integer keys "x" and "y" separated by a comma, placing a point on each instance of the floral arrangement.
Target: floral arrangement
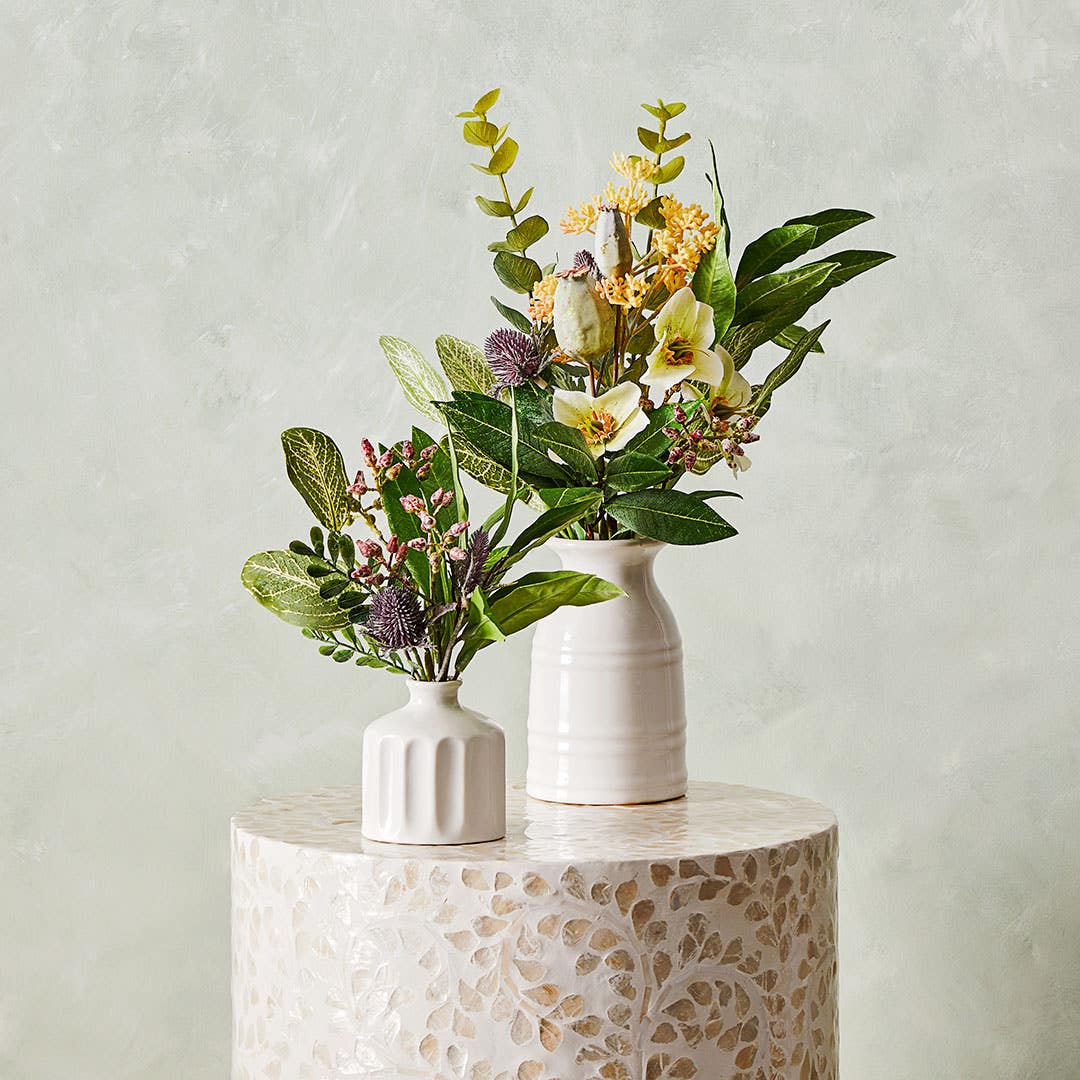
{"x": 626, "y": 371}
{"x": 424, "y": 591}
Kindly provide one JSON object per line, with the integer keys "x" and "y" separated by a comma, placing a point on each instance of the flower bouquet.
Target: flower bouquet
{"x": 625, "y": 374}
{"x": 419, "y": 595}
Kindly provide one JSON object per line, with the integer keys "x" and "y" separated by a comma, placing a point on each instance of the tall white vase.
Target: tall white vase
{"x": 607, "y": 715}
{"x": 434, "y": 772}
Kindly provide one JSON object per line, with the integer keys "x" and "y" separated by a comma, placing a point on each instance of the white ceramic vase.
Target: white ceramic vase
{"x": 607, "y": 715}
{"x": 434, "y": 772}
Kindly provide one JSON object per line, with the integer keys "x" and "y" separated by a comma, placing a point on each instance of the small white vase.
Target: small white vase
{"x": 434, "y": 772}
{"x": 607, "y": 715}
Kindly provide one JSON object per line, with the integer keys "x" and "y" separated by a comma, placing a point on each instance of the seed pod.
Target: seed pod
{"x": 614, "y": 256}
{"x": 584, "y": 320}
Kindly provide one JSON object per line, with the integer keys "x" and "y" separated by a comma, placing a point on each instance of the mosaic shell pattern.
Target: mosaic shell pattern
{"x": 689, "y": 939}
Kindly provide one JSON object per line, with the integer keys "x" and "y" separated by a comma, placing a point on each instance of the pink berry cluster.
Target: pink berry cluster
{"x": 725, "y": 437}
{"x": 437, "y": 543}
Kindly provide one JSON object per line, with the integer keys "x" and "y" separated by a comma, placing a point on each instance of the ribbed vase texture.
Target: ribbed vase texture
{"x": 434, "y": 772}
{"x": 607, "y": 714}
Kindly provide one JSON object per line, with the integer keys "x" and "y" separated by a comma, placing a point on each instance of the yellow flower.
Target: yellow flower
{"x": 689, "y": 233}
{"x": 628, "y": 199}
{"x": 627, "y": 291}
{"x": 636, "y": 170}
{"x": 543, "y": 299}
{"x": 583, "y": 219}
{"x": 608, "y": 422}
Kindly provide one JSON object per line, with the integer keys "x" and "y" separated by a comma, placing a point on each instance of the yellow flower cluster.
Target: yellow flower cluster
{"x": 628, "y": 198}
{"x": 689, "y": 233}
{"x": 626, "y": 292}
{"x": 636, "y": 170}
{"x": 543, "y": 299}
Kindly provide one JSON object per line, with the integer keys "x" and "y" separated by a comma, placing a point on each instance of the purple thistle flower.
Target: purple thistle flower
{"x": 395, "y": 619}
{"x": 584, "y": 260}
{"x": 512, "y": 357}
{"x": 468, "y": 574}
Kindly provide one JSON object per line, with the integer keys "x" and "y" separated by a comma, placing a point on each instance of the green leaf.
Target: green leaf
{"x": 850, "y": 264}
{"x": 830, "y": 223}
{"x": 280, "y": 582}
{"x": 765, "y": 296}
{"x": 656, "y": 111}
{"x": 480, "y": 133}
{"x": 649, "y": 139}
{"x": 464, "y": 364}
{"x": 650, "y": 216}
{"x": 562, "y": 495}
{"x": 481, "y": 626}
{"x": 316, "y": 535}
{"x": 301, "y": 548}
{"x": 643, "y": 341}
{"x": 533, "y": 403}
{"x": 420, "y": 382}
{"x": 535, "y": 596}
{"x": 327, "y": 650}
{"x": 317, "y": 471}
{"x": 485, "y": 424}
{"x": 669, "y": 170}
{"x": 671, "y": 516}
{"x": 551, "y": 522}
{"x": 494, "y": 207}
{"x": 652, "y": 440}
{"x": 516, "y": 272}
{"x": 523, "y": 201}
{"x": 790, "y": 336}
{"x": 527, "y": 233}
{"x": 486, "y": 101}
{"x": 783, "y": 371}
{"x": 569, "y": 445}
{"x": 771, "y": 251}
{"x": 503, "y": 157}
{"x": 665, "y": 145}
{"x": 631, "y": 472}
{"x": 712, "y": 282}
{"x": 490, "y": 473}
{"x": 464, "y": 115}
{"x": 672, "y": 109}
{"x": 373, "y": 661}
{"x": 514, "y": 318}
{"x": 717, "y": 493}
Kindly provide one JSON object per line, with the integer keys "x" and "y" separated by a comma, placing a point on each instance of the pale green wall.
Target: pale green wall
{"x": 208, "y": 212}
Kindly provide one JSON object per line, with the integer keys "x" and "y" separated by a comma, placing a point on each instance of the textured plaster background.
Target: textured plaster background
{"x": 208, "y": 212}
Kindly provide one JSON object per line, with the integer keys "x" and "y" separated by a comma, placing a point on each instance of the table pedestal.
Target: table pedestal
{"x": 687, "y": 939}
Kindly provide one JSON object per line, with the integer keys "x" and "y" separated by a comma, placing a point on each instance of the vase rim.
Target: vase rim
{"x": 567, "y": 544}
{"x": 433, "y": 682}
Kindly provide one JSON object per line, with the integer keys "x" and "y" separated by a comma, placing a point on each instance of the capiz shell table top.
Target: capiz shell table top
{"x": 693, "y": 938}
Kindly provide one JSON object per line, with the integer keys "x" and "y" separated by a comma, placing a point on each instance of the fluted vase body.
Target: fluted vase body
{"x": 434, "y": 772}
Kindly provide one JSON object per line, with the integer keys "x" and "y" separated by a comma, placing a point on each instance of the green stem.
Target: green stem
{"x": 506, "y": 196}
{"x": 511, "y": 497}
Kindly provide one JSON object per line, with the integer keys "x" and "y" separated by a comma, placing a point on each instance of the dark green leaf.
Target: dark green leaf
{"x": 317, "y": 471}
{"x": 329, "y": 589}
{"x": 535, "y": 596}
{"x": 631, "y": 472}
{"x": 850, "y": 264}
{"x": 790, "y": 336}
{"x": 830, "y": 223}
{"x": 533, "y": 404}
{"x": 561, "y": 496}
{"x": 300, "y": 548}
{"x": 569, "y": 445}
{"x": 485, "y": 424}
{"x": 523, "y": 201}
{"x": 553, "y": 521}
{"x": 643, "y": 341}
{"x": 517, "y": 272}
{"x": 514, "y": 318}
{"x": 342, "y": 655}
{"x": 316, "y": 536}
{"x": 765, "y": 296}
{"x": 786, "y": 368}
{"x": 671, "y": 516}
{"x": 327, "y": 650}
{"x": 773, "y": 250}
{"x": 715, "y": 494}
{"x": 280, "y": 582}
{"x": 712, "y": 282}
{"x": 652, "y": 440}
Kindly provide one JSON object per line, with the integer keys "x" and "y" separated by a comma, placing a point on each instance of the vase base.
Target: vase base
{"x": 585, "y": 798}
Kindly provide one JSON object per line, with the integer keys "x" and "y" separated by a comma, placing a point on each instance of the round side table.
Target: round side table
{"x": 694, "y": 938}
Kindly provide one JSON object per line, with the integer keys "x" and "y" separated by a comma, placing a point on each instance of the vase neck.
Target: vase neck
{"x": 622, "y": 562}
{"x": 437, "y": 694}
